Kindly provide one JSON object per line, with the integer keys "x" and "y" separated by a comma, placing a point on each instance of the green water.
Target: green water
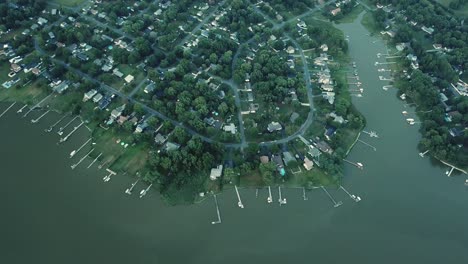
{"x": 410, "y": 213}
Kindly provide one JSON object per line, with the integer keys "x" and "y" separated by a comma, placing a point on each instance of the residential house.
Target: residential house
{"x": 308, "y": 164}
{"x": 160, "y": 139}
{"x": 216, "y": 172}
{"x": 274, "y": 126}
{"x": 230, "y": 128}
{"x": 61, "y": 87}
{"x": 117, "y": 112}
{"x": 88, "y": 95}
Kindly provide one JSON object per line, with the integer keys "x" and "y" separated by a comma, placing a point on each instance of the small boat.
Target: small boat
{"x": 466, "y": 182}
{"x": 72, "y": 153}
{"x": 405, "y": 112}
{"x": 142, "y": 193}
{"x": 410, "y": 119}
{"x": 360, "y": 164}
{"x": 358, "y": 199}
{"x": 269, "y": 200}
{"x": 403, "y": 96}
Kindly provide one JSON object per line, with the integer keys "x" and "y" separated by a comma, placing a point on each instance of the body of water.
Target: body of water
{"x": 410, "y": 212}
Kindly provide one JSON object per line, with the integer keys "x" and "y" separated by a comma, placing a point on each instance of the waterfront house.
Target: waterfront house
{"x": 117, "y": 112}
{"x": 288, "y": 157}
{"x": 216, "y": 172}
{"x": 279, "y": 164}
{"x": 308, "y": 164}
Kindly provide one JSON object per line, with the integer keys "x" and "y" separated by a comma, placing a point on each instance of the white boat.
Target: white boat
{"x": 142, "y": 193}
{"x": 128, "y": 191}
{"x": 403, "y": 96}
{"x": 269, "y": 200}
{"x": 409, "y": 119}
{"x": 72, "y": 153}
{"x": 466, "y": 182}
{"x": 360, "y": 164}
{"x": 358, "y": 199}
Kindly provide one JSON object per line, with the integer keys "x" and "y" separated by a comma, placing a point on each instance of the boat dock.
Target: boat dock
{"x": 91, "y": 164}
{"x": 71, "y": 133}
{"x": 371, "y": 133}
{"x": 6, "y": 110}
{"x": 335, "y": 204}
{"x": 22, "y": 108}
{"x": 357, "y": 164}
{"x": 217, "y": 211}
{"x": 81, "y": 160}
{"x": 239, "y": 203}
{"x": 129, "y": 190}
{"x": 60, "y": 132}
{"x": 145, "y": 191}
{"x": 270, "y": 197}
{"x": 74, "y": 152}
{"x": 421, "y": 154}
{"x": 367, "y": 144}
{"x": 40, "y": 117}
{"x": 352, "y": 196}
{"x": 304, "y": 194}
{"x": 37, "y": 105}
{"x": 108, "y": 177}
{"x": 280, "y": 199}
{"x": 55, "y": 124}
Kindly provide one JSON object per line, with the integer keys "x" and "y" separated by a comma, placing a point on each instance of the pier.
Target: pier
{"x": 91, "y": 164}
{"x": 129, "y": 190}
{"x": 6, "y": 110}
{"x": 367, "y": 144}
{"x": 74, "y": 152}
{"x": 386, "y": 87}
{"x": 280, "y": 199}
{"x": 450, "y": 172}
{"x": 352, "y": 196}
{"x": 60, "y": 132}
{"x": 37, "y": 105}
{"x": 108, "y": 177}
{"x": 421, "y": 154}
{"x": 39, "y": 118}
{"x": 217, "y": 212}
{"x": 335, "y": 204}
{"x": 304, "y": 194}
{"x": 55, "y": 124}
{"x": 371, "y": 133}
{"x": 357, "y": 164}
{"x": 270, "y": 197}
{"x": 71, "y": 133}
{"x": 239, "y": 203}
{"x": 22, "y": 108}
{"x": 81, "y": 160}
{"x": 145, "y": 191}
{"x": 453, "y": 167}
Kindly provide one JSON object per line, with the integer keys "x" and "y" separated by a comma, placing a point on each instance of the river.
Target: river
{"x": 410, "y": 213}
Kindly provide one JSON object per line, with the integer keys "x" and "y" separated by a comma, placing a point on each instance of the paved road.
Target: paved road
{"x": 230, "y": 82}
{"x": 201, "y": 24}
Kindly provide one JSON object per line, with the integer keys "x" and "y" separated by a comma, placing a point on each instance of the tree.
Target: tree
{"x": 267, "y": 170}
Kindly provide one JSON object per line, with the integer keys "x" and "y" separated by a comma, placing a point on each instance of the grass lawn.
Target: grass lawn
{"x": 30, "y": 93}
